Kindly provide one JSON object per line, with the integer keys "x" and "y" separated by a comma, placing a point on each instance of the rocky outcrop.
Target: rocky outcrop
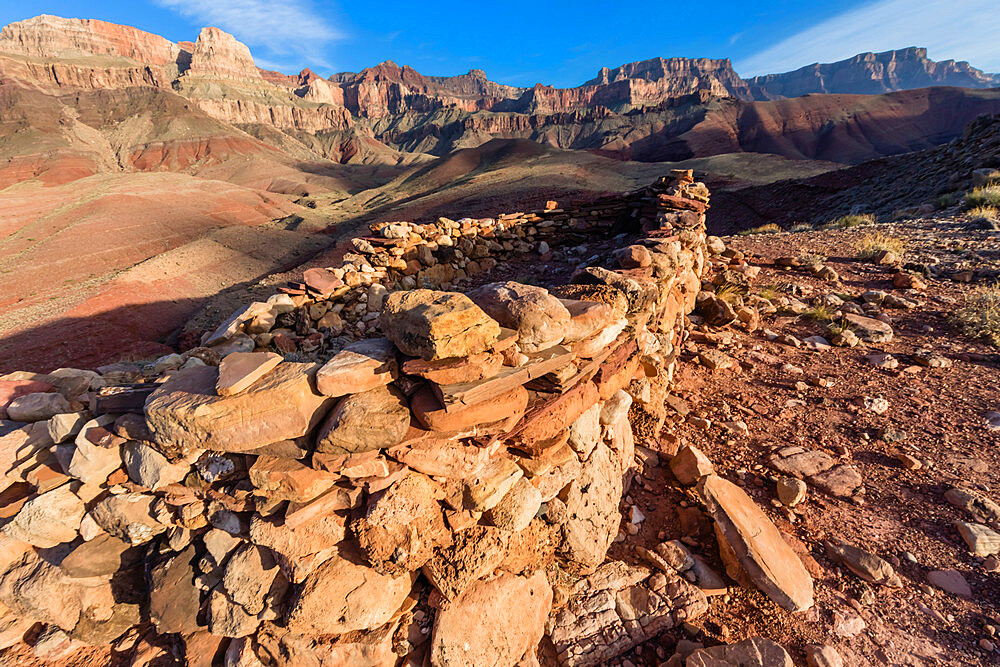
{"x": 663, "y": 109}
{"x": 218, "y": 55}
{"x": 55, "y": 37}
{"x": 872, "y": 74}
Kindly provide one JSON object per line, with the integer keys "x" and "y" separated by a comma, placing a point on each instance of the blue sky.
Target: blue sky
{"x": 558, "y": 43}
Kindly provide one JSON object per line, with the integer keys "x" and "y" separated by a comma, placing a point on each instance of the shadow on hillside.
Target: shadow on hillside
{"x": 124, "y": 333}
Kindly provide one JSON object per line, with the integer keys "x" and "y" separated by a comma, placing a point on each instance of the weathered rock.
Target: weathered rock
{"x": 754, "y": 652}
{"x": 842, "y": 480}
{"x": 690, "y": 465}
{"x": 799, "y": 462}
{"x": 756, "y": 545}
{"x": 869, "y": 329}
{"x": 474, "y": 553}
{"x": 456, "y": 370}
{"x": 402, "y": 526}
{"x": 48, "y": 520}
{"x": 517, "y": 508}
{"x": 32, "y": 588}
{"x": 128, "y": 516}
{"x": 868, "y": 566}
{"x": 239, "y": 370}
{"x": 494, "y": 622}
{"x": 151, "y": 469}
{"x": 977, "y": 505}
{"x": 249, "y": 576}
{"x": 585, "y": 432}
{"x": 539, "y": 318}
{"x": 37, "y": 407}
{"x": 97, "y": 453}
{"x": 950, "y": 581}
{"x": 442, "y": 457}
{"x": 343, "y": 595}
{"x": 226, "y": 618}
{"x": 432, "y": 415}
{"x": 358, "y": 368}
{"x": 288, "y": 479}
{"x": 301, "y": 549}
{"x": 823, "y": 655}
{"x": 437, "y": 325}
{"x": 586, "y": 319}
{"x": 100, "y": 557}
{"x": 492, "y": 483}
{"x": 174, "y": 599}
{"x": 982, "y": 541}
{"x": 99, "y": 630}
{"x": 617, "y": 608}
{"x": 376, "y": 419}
{"x": 592, "y": 517}
{"x": 66, "y": 425}
{"x": 185, "y": 412}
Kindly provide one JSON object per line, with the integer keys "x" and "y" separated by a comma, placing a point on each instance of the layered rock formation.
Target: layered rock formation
{"x": 872, "y": 74}
{"x": 638, "y": 111}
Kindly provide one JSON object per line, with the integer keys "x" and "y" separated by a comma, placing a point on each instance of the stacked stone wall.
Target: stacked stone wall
{"x": 394, "y": 459}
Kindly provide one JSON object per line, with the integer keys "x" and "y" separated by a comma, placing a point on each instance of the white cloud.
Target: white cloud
{"x": 284, "y": 28}
{"x": 950, "y": 29}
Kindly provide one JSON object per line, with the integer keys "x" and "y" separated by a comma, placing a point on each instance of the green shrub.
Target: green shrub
{"x": 944, "y": 201}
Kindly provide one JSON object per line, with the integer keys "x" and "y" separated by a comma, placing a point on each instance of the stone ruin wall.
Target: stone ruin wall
{"x": 393, "y": 461}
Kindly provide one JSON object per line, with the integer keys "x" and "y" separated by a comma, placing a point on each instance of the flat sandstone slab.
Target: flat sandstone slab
{"x": 185, "y": 412}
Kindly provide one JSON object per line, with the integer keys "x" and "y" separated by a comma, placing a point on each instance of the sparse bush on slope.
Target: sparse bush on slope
{"x": 870, "y": 245}
{"x": 988, "y": 195}
{"x": 980, "y": 316}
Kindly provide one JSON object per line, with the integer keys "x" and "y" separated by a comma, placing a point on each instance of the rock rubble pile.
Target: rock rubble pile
{"x": 375, "y": 466}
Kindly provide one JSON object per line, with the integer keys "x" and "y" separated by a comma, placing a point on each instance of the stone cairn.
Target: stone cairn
{"x": 375, "y": 468}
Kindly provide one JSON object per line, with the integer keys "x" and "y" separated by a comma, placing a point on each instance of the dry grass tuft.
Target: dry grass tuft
{"x": 987, "y": 212}
{"x": 769, "y": 228}
{"x": 848, "y": 221}
{"x": 980, "y": 316}
{"x": 870, "y": 245}
{"x": 988, "y": 195}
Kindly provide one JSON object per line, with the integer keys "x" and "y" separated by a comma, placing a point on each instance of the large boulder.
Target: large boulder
{"x": 374, "y": 419}
{"x": 186, "y": 413}
{"x": 37, "y": 407}
{"x": 753, "y": 548}
{"x": 539, "y": 318}
{"x": 49, "y": 519}
{"x": 869, "y": 329}
{"x": 33, "y": 588}
{"x": 436, "y": 325}
{"x": 495, "y": 622}
{"x": 591, "y": 515}
{"x": 402, "y": 526}
{"x": 753, "y": 652}
{"x": 475, "y": 553}
{"x": 343, "y": 594}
